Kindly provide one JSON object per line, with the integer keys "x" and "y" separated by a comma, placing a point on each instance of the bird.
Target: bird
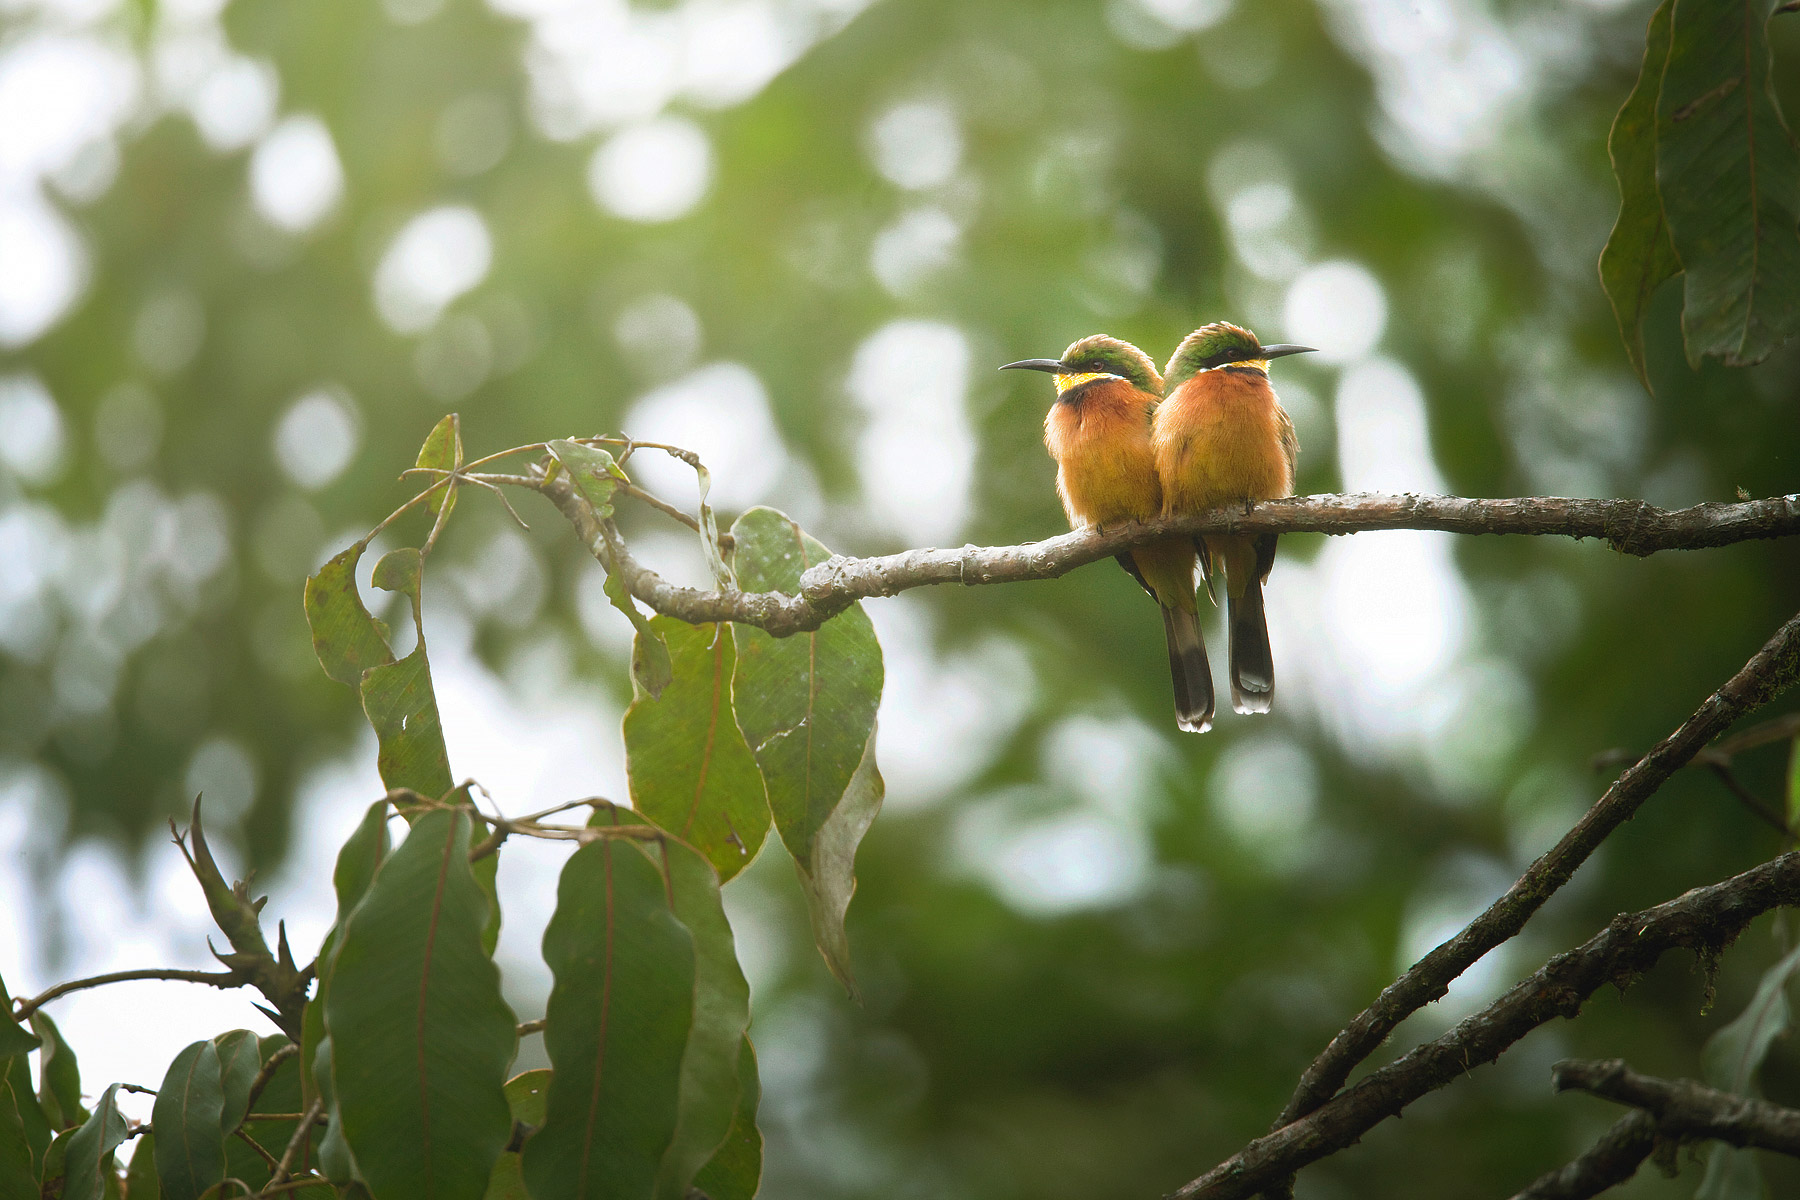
{"x": 1221, "y": 437}
{"x": 1098, "y": 431}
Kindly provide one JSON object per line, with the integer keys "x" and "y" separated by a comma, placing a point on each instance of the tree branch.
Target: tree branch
{"x": 218, "y": 979}
{"x": 1606, "y": 1164}
{"x": 1771, "y": 670}
{"x": 832, "y": 586}
{"x": 1705, "y": 919}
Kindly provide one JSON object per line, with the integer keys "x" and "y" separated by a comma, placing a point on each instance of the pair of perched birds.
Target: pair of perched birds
{"x": 1133, "y": 445}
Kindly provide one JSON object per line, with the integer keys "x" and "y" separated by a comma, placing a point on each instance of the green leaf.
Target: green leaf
{"x": 1793, "y": 786}
{"x": 59, "y": 1076}
{"x": 15, "y": 1075}
{"x": 507, "y": 1182}
{"x": 140, "y": 1178}
{"x": 18, "y": 1165}
{"x": 1730, "y": 179}
{"x": 14, "y": 1037}
{"x": 240, "y": 1059}
{"x": 357, "y": 862}
{"x": 398, "y": 698}
{"x": 723, "y": 576}
{"x": 1732, "y": 1174}
{"x": 709, "y": 1064}
{"x": 88, "y": 1158}
{"x": 420, "y": 1036}
{"x": 1639, "y": 257}
{"x": 345, "y": 636}
{"x": 526, "y": 1094}
{"x": 689, "y": 768}
{"x": 806, "y": 704}
{"x": 736, "y": 1170}
{"x": 443, "y": 449}
{"x": 594, "y": 472}
{"x": 1731, "y": 1058}
{"x": 616, "y": 1026}
{"x": 187, "y": 1112}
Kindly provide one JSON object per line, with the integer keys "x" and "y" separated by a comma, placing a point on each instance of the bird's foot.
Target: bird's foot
{"x": 1249, "y": 506}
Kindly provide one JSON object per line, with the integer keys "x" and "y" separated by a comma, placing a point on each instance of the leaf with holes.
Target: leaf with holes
{"x": 1729, "y": 174}
{"x": 1639, "y": 257}
{"x": 345, "y": 637}
{"x": 420, "y": 1036}
{"x": 806, "y": 704}
{"x": 398, "y": 696}
{"x": 188, "y": 1113}
{"x": 616, "y": 1026}
{"x": 689, "y": 768}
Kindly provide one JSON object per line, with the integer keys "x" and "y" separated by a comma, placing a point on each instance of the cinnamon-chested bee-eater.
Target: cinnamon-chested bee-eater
{"x": 1221, "y": 437}
{"x": 1098, "y": 431}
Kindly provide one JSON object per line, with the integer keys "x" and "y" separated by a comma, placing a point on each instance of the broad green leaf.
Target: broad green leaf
{"x": 1732, "y": 1057}
{"x": 189, "y": 1104}
{"x": 359, "y": 858}
{"x": 88, "y": 1157}
{"x": 14, "y": 1037}
{"x": 345, "y": 636}
{"x": 59, "y": 1076}
{"x": 651, "y": 669}
{"x": 593, "y": 471}
{"x": 690, "y": 770}
{"x": 807, "y": 705}
{"x": 526, "y": 1094}
{"x": 616, "y": 1025}
{"x": 398, "y": 698}
{"x": 15, "y": 1074}
{"x": 1730, "y": 180}
{"x": 1639, "y": 257}
{"x": 140, "y": 1178}
{"x": 736, "y": 1170}
{"x": 420, "y": 1036}
{"x": 18, "y": 1165}
{"x": 443, "y": 449}
{"x": 709, "y": 1064}
{"x": 507, "y": 1182}
{"x": 240, "y": 1059}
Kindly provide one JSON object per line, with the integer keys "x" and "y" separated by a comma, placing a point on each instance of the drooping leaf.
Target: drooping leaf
{"x": 187, "y": 1112}
{"x": 830, "y": 883}
{"x": 59, "y": 1075}
{"x": 140, "y": 1177}
{"x": 398, "y": 698}
{"x": 1732, "y": 1057}
{"x": 616, "y": 1026}
{"x": 1729, "y": 174}
{"x": 443, "y": 449}
{"x": 420, "y": 1036}
{"x": 593, "y": 471}
{"x": 1639, "y": 257}
{"x": 18, "y": 1165}
{"x": 690, "y": 770}
{"x": 240, "y": 1059}
{"x": 709, "y": 1064}
{"x": 345, "y": 637}
{"x": 88, "y": 1157}
{"x": 723, "y": 576}
{"x": 806, "y": 704}
{"x": 15, "y": 1074}
{"x": 735, "y": 1171}
{"x": 14, "y": 1037}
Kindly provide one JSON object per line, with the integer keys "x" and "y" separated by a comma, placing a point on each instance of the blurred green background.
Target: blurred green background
{"x": 249, "y": 256}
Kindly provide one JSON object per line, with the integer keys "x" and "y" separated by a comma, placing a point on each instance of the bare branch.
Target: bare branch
{"x": 1684, "y": 1108}
{"x": 1606, "y": 1164}
{"x": 218, "y": 979}
{"x": 832, "y": 586}
{"x": 1705, "y": 920}
{"x": 1771, "y": 670}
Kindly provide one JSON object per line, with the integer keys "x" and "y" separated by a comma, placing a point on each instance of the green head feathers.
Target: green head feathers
{"x": 1217, "y": 345}
{"x": 1102, "y": 355}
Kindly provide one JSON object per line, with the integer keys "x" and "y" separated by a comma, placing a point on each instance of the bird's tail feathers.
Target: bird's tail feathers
{"x": 1191, "y": 673}
{"x": 1252, "y": 666}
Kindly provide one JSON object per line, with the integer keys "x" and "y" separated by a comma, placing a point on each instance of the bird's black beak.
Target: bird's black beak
{"x": 1036, "y": 364}
{"x": 1279, "y": 351}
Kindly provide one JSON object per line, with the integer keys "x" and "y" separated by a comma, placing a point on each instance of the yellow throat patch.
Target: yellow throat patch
{"x": 1066, "y": 382}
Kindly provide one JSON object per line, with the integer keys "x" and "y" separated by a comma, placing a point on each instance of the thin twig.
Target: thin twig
{"x": 527, "y": 1028}
{"x": 268, "y": 1072}
{"x": 1705, "y": 920}
{"x": 218, "y": 979}
{"x": 302, "y": 1131}
{"x": 1609, "y": 1162}
{"x": 1772, "y": 669}
{"x": 1758, "y": 807}
{"x": 268, "y": 1159}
